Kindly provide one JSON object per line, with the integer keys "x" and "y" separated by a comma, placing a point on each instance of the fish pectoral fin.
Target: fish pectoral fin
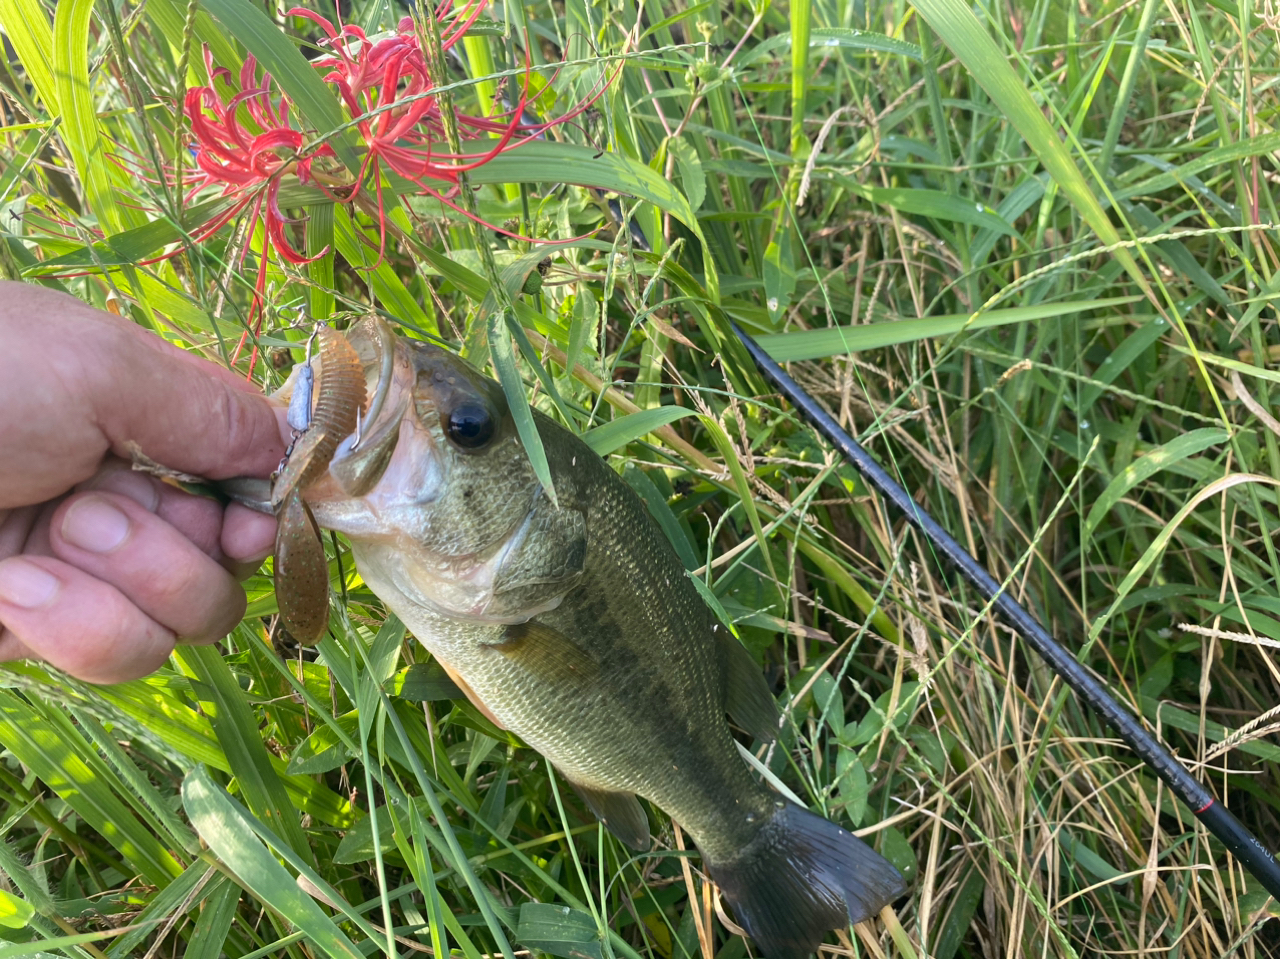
{"x": 542, "y": 563}
{"x": 548, "y": 655}
{"x": 621, "y": 813}
{"x": 470, "y": 693}
{"x": 747, "y": 696}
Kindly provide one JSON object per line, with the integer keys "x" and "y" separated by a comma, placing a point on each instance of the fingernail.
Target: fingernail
{"x": 26, "y": 584}
{"x": 94, "y": 524}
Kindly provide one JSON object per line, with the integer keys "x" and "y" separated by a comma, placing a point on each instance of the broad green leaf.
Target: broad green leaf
{"x": 964, "y": 906}
{"x": 390, "y": 290}
{"x": 800, "y": 17}
{"x": 724, "y": 446}
{"x": 504, "y": 364}
{"x": 1179, "y": 257}
{"x": 1016, "y": 202}
{"x": 185, "y": 892}
{"x": 38, "y": 949}
{"x": 834, "y": 38}
{"x": 677, "y": 17}
{"x": 711, "y": 599}
{"x": 930, "y": 203}
{"x": 1147, "y": 465}
{"x": 425, "y": 682}
{"x": 661, "y": 511}
{"x": 170, "y": 17}
{"x": 226, "y": 827}
{"x": 179, "y": 307}
{"x": 237, "y": 731}
{"x": 840, "y": 340}
{"x": 323, "y": 750}
{"x": 209, "y": 937}
{"x": 852, "y": 785}
{"x": 1076, "y": 851}
{"x": 692, "y": 177}
{"x": 130, "y": 246}
{"x": 615, "y": 434}
{"x": 779, "y": 275}
{"x": 30, "y": 885}
{"x": 1119, "y": 360}
{"x": 26, "y": 24}
{"x": 582, "y": 326}
{"x": 1262, "y": 145}
{"x": 1166, "y": 714}
{"x": 559, "y": 931}
{"x": 80, "y": 127}
{"x": 543, "y": 161}
{"x": 15, "y": 913}
{"x": 320, "y": 243}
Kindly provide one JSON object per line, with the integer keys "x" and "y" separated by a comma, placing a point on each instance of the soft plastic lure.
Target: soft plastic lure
{"x": 301, "y": 570}
{"x": 339, "y": 401}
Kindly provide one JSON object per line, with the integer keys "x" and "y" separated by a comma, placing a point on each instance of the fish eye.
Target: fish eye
{"x": 470, "y": 426}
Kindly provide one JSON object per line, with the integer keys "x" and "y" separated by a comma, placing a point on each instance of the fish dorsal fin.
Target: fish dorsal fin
{"x": 548, "y": 655}
{"x": 747, "y": 697}
{"x": 621, "y": 813}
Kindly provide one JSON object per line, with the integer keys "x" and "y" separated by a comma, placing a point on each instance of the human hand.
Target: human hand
{"x": 103, "y": 569}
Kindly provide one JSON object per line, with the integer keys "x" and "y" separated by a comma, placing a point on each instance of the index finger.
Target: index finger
{"x": 80, "y": 383}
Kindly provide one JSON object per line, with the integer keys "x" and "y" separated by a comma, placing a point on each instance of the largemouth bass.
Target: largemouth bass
{"x": 576, "y": 627}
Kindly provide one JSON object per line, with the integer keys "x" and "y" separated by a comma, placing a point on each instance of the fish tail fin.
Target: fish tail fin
{"x": 801, "y": 877}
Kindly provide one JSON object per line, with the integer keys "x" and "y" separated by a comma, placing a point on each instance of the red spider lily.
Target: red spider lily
{"x": 249, "y": 143}
{"x": 249, "y": 165}
{"x": 386, "y": 87}
{"x": 230, "y": 155}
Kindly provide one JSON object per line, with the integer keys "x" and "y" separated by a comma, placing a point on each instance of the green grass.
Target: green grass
{"x": 1069, "y": 205}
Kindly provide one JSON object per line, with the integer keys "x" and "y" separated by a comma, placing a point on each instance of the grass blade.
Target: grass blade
{"x": 228, "y": 830}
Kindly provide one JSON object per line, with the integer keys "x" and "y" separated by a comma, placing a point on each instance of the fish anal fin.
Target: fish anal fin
{"x": 548, "y": 655}
{"x": 747, "y": 696}
{"x": 470, "y": 693}
{"x": 621, "y": 814}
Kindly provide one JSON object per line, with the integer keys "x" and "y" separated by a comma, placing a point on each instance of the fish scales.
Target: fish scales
{"x": 658, "y": 730}
{"x": 576, "y": 627}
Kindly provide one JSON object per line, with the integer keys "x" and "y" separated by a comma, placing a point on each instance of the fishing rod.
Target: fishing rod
{"x": 1216, "y": 818}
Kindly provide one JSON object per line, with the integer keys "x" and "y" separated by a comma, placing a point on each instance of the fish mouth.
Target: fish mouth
{"x": 413, "y": 488}
{"x": 367, "y": 482}
{"x": 362, "y": 458}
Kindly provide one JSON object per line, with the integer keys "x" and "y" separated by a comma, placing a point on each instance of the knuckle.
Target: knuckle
{"x": 246, "y": 433}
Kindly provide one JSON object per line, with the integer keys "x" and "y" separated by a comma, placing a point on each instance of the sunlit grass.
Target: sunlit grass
{"x": 1070, "y": 205}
